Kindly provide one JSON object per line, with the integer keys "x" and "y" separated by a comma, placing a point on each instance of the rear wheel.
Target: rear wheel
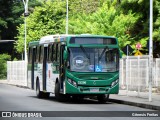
{"x": 46, "y": 95}
{"x": 103, "y": 98}
{"x": 38, "y": 92}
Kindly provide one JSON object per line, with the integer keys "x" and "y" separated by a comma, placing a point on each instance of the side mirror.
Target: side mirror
{"x": 65, "y": 55}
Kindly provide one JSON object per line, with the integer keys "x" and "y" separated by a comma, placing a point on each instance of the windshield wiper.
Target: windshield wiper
{"x": 100, "y": 57}
{"x": 84, "y": 51}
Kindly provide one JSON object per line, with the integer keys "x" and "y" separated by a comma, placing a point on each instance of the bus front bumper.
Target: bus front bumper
{"x": 71, "y": 89}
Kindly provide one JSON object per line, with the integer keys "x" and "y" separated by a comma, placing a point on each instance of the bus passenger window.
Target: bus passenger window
{"x": 58, "y": 52}
{"x": 48, "y": 58}
{"x": 52, "y": 49}
{"x": 54, "y": 52}
{"x": 37, "y": 54}
{"x": 41, "y": 54}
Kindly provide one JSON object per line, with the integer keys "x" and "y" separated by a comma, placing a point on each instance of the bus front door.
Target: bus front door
{"x": 62, "y": 71}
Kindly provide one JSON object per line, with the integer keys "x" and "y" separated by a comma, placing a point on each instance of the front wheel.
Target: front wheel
{"x": 60, "y": 97}
{"x": 103, "y": 98}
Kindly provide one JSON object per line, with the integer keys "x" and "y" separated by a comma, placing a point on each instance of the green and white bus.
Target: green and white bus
{"x": 74, "y": 66}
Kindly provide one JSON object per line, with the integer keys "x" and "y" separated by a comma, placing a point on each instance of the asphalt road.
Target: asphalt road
{"x": 13, "y": 98}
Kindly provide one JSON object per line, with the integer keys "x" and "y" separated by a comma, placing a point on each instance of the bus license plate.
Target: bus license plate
{"x": 94, "y": 89}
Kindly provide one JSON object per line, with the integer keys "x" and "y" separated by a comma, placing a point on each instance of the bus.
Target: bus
{"x": 74, "y": 66}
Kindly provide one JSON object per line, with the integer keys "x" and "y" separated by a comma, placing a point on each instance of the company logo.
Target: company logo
{"x": 6, "y": 114}
{"x": 94, "y": 82}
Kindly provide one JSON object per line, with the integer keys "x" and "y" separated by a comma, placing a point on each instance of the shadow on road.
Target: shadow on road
{"x": 73, "y": 101}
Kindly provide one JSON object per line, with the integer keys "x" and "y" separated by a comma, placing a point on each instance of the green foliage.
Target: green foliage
{"x": 3, "y": 65}
{"x": 45, "y": 20}
{"x": 105, "y": 21}
{"x": 140, "y": 30}
{"x": 126, "y": 19}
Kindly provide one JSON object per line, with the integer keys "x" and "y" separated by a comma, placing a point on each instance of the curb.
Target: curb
{"x": 142, "y": 105}
{"x": 3, "y": 82}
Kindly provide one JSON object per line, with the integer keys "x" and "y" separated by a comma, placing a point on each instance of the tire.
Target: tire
{"x": 46, "y": 95}
{"x": 103, "y": 98}
{"x": 60, "y": 97}
{"x": 38, "y": 92}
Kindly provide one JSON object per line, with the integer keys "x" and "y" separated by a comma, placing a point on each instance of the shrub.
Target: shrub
{"x": 3, "y": 65}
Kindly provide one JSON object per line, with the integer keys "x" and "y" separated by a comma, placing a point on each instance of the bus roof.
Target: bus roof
{"x": 53, "y": 38}
{"x": 33, "y": 43}
{"x": 61, "y": 37}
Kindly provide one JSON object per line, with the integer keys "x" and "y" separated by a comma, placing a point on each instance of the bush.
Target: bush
{"x": 3, "y": 65}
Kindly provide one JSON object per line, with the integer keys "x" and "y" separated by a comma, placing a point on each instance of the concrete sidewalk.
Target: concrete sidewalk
{"x": 131, "y": 99}
{"x": 140, "y": 101}
{"x": 3, "y": 81}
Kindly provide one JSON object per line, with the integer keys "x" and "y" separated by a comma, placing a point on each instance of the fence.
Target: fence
{"x": 16, "y": 73}
{"x": 134, "y": 76}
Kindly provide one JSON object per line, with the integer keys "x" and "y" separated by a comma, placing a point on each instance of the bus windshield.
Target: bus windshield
{"x": 83, "y": 59}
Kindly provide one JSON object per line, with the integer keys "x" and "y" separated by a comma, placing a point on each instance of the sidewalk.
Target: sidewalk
{"x": 3, "y": 81}
{"x": 131, "y": 99}
{"x": 134, "y": 100}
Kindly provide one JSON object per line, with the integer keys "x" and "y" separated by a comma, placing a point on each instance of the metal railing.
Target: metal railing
{"x": 134, "y": 76}
{"x": 16, "y": 73}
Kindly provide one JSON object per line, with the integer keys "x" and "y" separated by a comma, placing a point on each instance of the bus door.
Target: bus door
{"x": 32, "y": 68}
{"x": 44, "y": 67}
{"x": 61, "y": 70}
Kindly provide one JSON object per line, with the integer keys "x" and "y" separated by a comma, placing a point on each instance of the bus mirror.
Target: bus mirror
{"x": 65, "y": 55}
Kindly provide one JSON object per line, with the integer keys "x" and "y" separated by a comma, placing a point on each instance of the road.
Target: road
{"x": 13, "y": 98}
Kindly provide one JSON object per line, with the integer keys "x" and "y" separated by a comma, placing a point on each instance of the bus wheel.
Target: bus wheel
{"x": 38, "y": 92}
{"x": 103, "y": 98}
{"x": 46, "y": 95}
{"x": 58, "y": 95}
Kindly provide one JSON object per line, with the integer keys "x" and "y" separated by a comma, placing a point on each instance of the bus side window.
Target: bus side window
{"x": 54, "y": 52}
{"x": 50, "y": 53}
{"x": 58, "y": 52}
{"x": 41, "y": 54}
{"x": 37, "y": 54}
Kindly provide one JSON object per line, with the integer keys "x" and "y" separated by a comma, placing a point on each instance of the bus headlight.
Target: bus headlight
{"x": 72, "y": 82}
{"x": 114, "y": 82}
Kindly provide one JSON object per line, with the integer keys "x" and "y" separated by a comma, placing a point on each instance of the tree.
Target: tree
{"x": 140, "y": 31}
{"x": 47, "y": 19}
{"x": 107, "y": 20}
{"x": 128, "y": 20}
{"x": 10, "y": 13}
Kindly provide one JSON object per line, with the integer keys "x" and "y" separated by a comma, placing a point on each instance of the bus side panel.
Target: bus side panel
{"x": 38, "y": 75}
{"x": 35, "y": 74}
{"x": 51, "y": 77}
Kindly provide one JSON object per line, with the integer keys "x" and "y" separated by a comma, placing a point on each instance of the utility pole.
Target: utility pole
{"x": 25, "y": 2}
{"x": 66, "y": 17}
{"x": 150, "y": 50}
